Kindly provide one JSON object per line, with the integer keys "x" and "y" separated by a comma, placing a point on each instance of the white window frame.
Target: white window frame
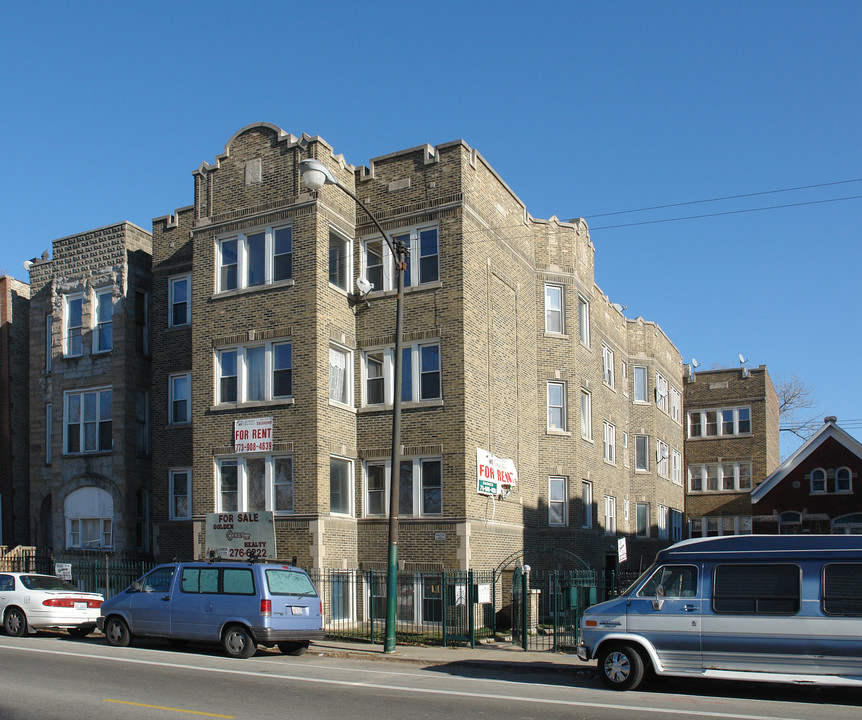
{"x": 270, "y": 461}
{"x": 676, "y": 520}
{"x": 413, "y": 370}
{"x": 243, "y": 372}
{"x": 644, "y": 441}
{"x": 82, "y": 421}
{"x": 587, "y": 504}
{"x": 346, "y": 399}
{"x": 609, "y": 450}
{"x": 608, "y": 376}
{"x": 675, "y": 405}
{"x": 172, "y": 301}
{"x": 73, "y": 529}
{"x": 701, "y": 474}
{"x": 583, "y": 321}
{"x": 641, "y": 383}
{"x": 172, "y": 491}
{"x": 558, "y": 498}
{"x": 610, "y": 515}
{"x": 348, "y": 260}
{"x": 243, "y": 259}
{"x": 73, "y": 335}
{"x": 662, "y": 458}
{"x": 642, "y": 520}
{"x": 101, "y": 326}
{"x": 821, "y": 487}
{"x": 556, "y": 408}
{"x": 698, "y": 418}
{"x": 662, "y": 393}
{"x": 555, "y": 309}
{"x": 849, "y": 478}
{"x": 412, "y": 237}
{"x": 715, "y": 525}
{"x": 676, "y": 467}
{"x": 586, "y": 414}
{"x": 351, "y": 489}
{"x": 663, "y": 522}
{"x": 418, "y": 497}
{"x": 172, "y": 418}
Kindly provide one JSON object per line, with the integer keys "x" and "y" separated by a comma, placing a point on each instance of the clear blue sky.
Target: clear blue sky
{"x": 583, "y": 108}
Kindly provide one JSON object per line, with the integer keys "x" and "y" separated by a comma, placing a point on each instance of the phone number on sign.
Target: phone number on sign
{"x": 265, "y": 446}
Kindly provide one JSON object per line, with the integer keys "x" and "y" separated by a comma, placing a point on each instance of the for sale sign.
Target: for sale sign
{"x": 241, "y": 534}
{"x": 254, "y": 435}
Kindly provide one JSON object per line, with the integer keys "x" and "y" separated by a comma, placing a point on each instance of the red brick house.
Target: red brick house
{"x": 816, "y": 490}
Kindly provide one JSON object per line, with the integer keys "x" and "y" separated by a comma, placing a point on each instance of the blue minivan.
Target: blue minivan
{"x": 775, "y": 608}
{"x": 239, "y": 605}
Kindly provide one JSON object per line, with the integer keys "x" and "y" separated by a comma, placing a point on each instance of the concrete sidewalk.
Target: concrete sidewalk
{"x": 485, "y": 655}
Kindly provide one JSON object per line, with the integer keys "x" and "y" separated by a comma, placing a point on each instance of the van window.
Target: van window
{"x": 229, "y": 581}
{"x": 842, "y": 589}
{"x": 756, "y": 589}
{"x": 159, "y": 580}
{"x": 289, "y": 582}
{"x": 673, "y": 581}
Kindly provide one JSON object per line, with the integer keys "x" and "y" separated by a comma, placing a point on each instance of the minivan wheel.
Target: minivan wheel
{"x": 293, "y": 648}
{"x": 15, "y": 622}
{"x": 238, "y": 643}
{"x": 117, "y": 632}
{"x": 621, "y": 667}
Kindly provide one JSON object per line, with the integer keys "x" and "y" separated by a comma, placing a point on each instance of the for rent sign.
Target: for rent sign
{"x": 254, "y": 435}
{"x": 241, "y": 534}
{"x": 494, "y": 475}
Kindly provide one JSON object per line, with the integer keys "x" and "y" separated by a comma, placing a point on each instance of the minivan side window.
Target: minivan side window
{"x": 765, "y": 589}
{"x": 159, "y": 580}
{"x": 222, "y": 581}
{"x": 842, "y": 589}
{"x": 289, "y": 582}
{"x": 672, "y": 581}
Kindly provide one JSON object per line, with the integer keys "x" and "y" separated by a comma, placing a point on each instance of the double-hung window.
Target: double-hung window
{"x": 255, "y": 258}
{"x": 420, "y": 488}
{"x": 255, "y": 373}
{"x": 843, "y": 480}
{"x": 583, "y": 321}
{"x": 662, "y": 393}
{"x": 663, "y": 522}
{"x": 817, "y": 480}
{"x": 720, "y": 477}
{"x": 610, "y": 439}
{"x": 610, "y": 515}
{"x": 340, "y": 486}
{"x": 420, "y": 374}
{"x": 558, "y": 501}
{"x": 180, "y": 493}
{"x": 88, "y": 422}
{"x": 554, "y": 309}
{"x": 675, "y": 404}
{"x": 587, "y": 503}
{"x": 676, "y": 467}
{"x": 640, "y": 380}
{"x": 423, "y": 261}
{"x": 722, "y": 422}
{"x": 556, "y": 406}
{"x": 103, "y": 336}
{"x": 251, "y": 483}
{"x": 607, "y": 365}
{"x": 340, "y": 375}
{"x": 642, "y": 519}
{"x": 179, "y": 400}
{"x": 179, "y": 300}
{"x": 586, "y": 415}
{"x": 73, "y": 323}
{"x": 662, "y": 458}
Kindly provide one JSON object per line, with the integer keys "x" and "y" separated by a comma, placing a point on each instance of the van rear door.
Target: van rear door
{"x": 666, "y": 612}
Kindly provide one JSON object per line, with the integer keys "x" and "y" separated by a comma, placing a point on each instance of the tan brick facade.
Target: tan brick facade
{"x": 476, "y": 305}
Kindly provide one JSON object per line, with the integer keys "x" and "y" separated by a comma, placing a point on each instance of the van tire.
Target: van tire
{"x": 621, "y": 667}
{"x": 238, "y": 642}
{"x": 117, "y": 632}
{"x": 293, "y": 648}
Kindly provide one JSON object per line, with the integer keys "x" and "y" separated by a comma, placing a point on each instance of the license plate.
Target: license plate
{"x": 295, "y": 610}
{"x": 80, "y": 606}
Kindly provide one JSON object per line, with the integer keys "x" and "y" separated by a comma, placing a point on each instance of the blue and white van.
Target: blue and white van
{"x": 239, "y": 605}
{"x": 775, "y": 608}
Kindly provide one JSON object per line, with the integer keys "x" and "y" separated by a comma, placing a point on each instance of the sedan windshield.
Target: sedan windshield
{"x": 46, "y": 582}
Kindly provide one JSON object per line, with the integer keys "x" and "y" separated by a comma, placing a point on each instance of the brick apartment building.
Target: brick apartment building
{"x": 89, "y": 383}
{"x": 732, "y": 445}
{"x": 14, "y": 439}
{"x": 509, "y": 348}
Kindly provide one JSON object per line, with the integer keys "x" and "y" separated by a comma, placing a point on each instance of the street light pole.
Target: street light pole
{"x": 315, "y": 175}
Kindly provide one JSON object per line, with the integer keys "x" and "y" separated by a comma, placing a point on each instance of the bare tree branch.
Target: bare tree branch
{"x": 794, "y": 398}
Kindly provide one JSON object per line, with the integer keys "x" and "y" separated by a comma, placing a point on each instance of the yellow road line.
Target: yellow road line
{"x": 161, "y": 707}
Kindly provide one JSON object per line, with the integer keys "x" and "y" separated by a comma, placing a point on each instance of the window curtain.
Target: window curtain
{"x": 337, "y": 375}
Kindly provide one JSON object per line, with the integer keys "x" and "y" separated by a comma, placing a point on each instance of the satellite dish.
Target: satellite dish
{"x": 27, "y": 265}
{"x": 363, "y": 285}
{"x": 619, "y": 308}
{"x": 742, "y": 360}
{"x": 694, "y": 363}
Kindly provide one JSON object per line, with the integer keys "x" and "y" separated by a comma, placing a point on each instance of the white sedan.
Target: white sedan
{"x": 32, "y": 602}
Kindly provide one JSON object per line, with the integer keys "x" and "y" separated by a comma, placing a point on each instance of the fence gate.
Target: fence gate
{"x": 547, "y": 606}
